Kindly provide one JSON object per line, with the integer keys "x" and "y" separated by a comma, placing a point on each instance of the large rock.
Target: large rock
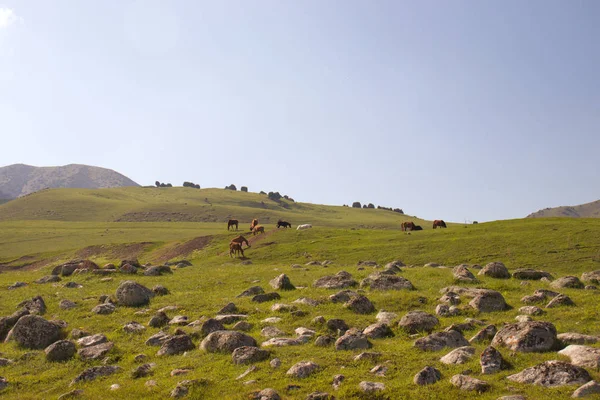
{"x": 459, "y": 356}
{"x": 158, "y": 339}
{"x": 60, "y": 351}
{"x": 351, "y": 340}
{"x": 92, "y": 340}
{"x": 495, "y": 270}
{"x": 7, "y": 323}
{"x": 282, "y": 282}
{"x": 531, "y": 274}
{"x": 340, "y": 280}
{"x": 226, "y": 341}
{"x": 211, "y": 325}
{"x": 527, "y": 337}
{"x": 34, "y": 332}
{"x": 267, "y": 394}
{"x": 427, "y": 376}
{"x": 491, "y": 361}
{"x": 134, "y": 327}
{"x": 572, "y": 282}
{"x": 360, "y": 305}
{"x": 283, "y": 342}
{"x": 593, "y": 277}
{"x": 303, "y": 369}
{"x": 35, "y": 306}
{"x": 590, "y": 388}
{"x": 489, "y": 301}
{"x": 437, "y": 341}
{"x": 418, "y": 321}
{"x": 336, "y": 324}
{"x": 95, "y": 372}
{"x": 159, "y": 320}
{"x": 132, "y": 294}
{"x": 582, "y": 356}
{"x": 177, "y": 344}
{"x": 252, "y": 291}
{"x": 95, "y": 352}
{"x": 387, "y": 282}
{"x": 462, "y": 274}
{"x": 249, "y": 355}
{"x": 377, "y": 331}
{"x": 371, "y": 387}
{"x": 48, "y": 279}
{"x": 104, "y": 309}
{"x": 560, "y": 300}
{"x": 158, "y": 270}
{"x": 484, "y": 335}
{"x": 468, "y": 383}
{"x": 577, "y": 338}
{"x": 342, "y": 296}
{"x": 552, "y": 373}
{"x": 264, "y": 297}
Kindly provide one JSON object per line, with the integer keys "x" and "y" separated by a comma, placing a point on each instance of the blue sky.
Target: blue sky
{"x": 461, "y": 110}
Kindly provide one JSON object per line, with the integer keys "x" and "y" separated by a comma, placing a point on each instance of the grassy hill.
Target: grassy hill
{"x": 588, "y": 210}
{"x": 19, "y": 179}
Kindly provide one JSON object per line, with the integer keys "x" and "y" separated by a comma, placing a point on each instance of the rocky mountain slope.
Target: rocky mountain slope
{"x": 19, "y": 179}
{"x": 587, "y": 210}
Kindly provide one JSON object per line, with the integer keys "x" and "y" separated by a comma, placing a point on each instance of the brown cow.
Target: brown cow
{"x": 440, "y": 223}
{"x": 258, "y": 229}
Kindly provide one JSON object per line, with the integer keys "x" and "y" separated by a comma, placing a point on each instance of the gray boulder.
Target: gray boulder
{"x": 462, "y": 274}
{"x": 92, "y": 340}
{"x": 582, "y": 356}
{"x": 66, "y": 304}
{"x": 371, "y": 387}
{"x": 95, "y": 352}
{"x": 427, "y": 376}
{"x": 360, "y": 305}
{"x": 590, "y": 388}
{"x": 132, "y": 294}
{"x": 282, "y": 282}
{"x": 560, "y": 300}
{"x": 48, "y": 279}
{"x": 437, "y": 341}
{"x": 35, "y": 306}
{"x": 177, "y": 344}
{"x": 95, "y": 372}
{"x": 387, "y": 282}
{"x": 527, "y": 337}
{"x": 468, "y": 383}
{"x": 351, "y": 340}
{"x": 252, "y": 291}
{"x": 104, "y": 309}
{"x": 495, "y": 270}
{"x": 134, "y": 327}
{"x": 491, "y": 361}
{"x": 531, "y": 274}
{"x": 60, "y": 351}
{"x": 418, "y": 321}
{"x": 249, "y": 355}
{"x": 378, "y": 330}
{"x": 552, "y": 373}
{"x": 159, "y": 320}
{"x": 572, "y": 282}
{"x": 264, "y": 297}
{"x": 577, "y": 338}
{"x": 459, "y": 356}
{"x": 226, "y": 341}
{"x": 484, "y": 335}
{"x": 34, "y": 332}
{"x": 211, "y": 325}
{"x": 7, "y": 323}
{"x": 593, "y": 277}
{"x": 341, "y": 280}
{"x": 303, "y": 369}
{"x": 489, "y": 301}
{"x": 342, "y": 296}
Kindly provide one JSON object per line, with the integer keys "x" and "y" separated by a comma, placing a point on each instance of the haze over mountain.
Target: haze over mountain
{"x": 19, "y": 179}
{"x": 587, "y": 210}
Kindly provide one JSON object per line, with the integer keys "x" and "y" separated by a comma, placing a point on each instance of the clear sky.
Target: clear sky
{"x": 461, "y": 110}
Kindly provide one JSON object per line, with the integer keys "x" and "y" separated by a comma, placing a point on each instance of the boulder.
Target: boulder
{"x": 468, "y": 383}
{"x": 459, "y": 356}
{"x": 427, "y": 376}
{"x": 48, "y": 279}
{"x": 371, "y": 387}
{"x": 443, "y": 310}
{"x": 582, "y": 356}
{"x": 128, "y": 269}
{"x": 560, "y": 300}
{"x": 283, "y": 342}
{"x": 319, "y": 396}
{"x": 462, "y": 274}
{"x": 95, "y": 372}
{"x": 227, "y": 319}
{"x": 7, "y": 323}
{"x": 531, "y": 310}
{"x": 418, "y": 321}
{"x": 489, "y": 301}
{"x": 17, "y": 285}
{"x": 387, "y": 282}
{"x": 531, "y": 274}
{"x": 158, "y": 339}
{"x": 143, "y": 371}
{"x": 282, "y": 282}
{"x": 590, "y": 388}
{"x": 271, "y": 332}
{"x": 484, "y": 335}
{"x": 306, "y": 301}
{"x": 336, "y": 324}
{"x": 495, "y": 270}
{"x": 572, "y": 282}
{"x": 134, "y": 327}
{"x": 226, "y": 341}
{"x": 437, "y": 341}
{"x": 158, "y": 270}
{"x": 95, "y": 352}
{"x": 177, "y": 344}
{"x": 527, "y": 337}
{"x": 324, "y": 340}
{"x": 159, "y": 320}
{"x": 360, "y": 305}
{"x": 104, "y": 309}
{"x": 450, "y": 298}
{"x": 552, "y": 373}
{"x": 66, "y": 304}
{"x": 229, "y": 308}
{"x": 386, "y": 317}
{"x": 268, "y": 394}
{"x": 180, "y": 320}
{"x": 211, "y": 325}
{"x": 342, "y": 296}
{"x": 264, "y": 297}
{"x": 243, "y": 326}
{"x": 60, "y": 351}
{"x": 491, "y": 361}
{"x": 35, "y": 306}
{"x": 378, "y": 330}
{"x": 249, "y": 355}
{"x": 593, "y": 277}
{"x": 351, "y": 340}
{"x": 340, "y": 280}
{"x": 132, "y": 294}
{"x": 303, "y": 369}
{"x": 34, "y": 332}
{"x": 160, "y": 290}
{"x": 577, "y": 338}
{"x": 92, "y": 340}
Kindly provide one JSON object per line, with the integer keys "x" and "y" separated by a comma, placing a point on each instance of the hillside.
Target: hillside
{"x": 588, "y": 210}
{"x": 19, "y": 179}
{"x": 137, "y": 204}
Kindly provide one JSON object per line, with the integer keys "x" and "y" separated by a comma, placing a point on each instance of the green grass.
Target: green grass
{"x": 560, "y": 246}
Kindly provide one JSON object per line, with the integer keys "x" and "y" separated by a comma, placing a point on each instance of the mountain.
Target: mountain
{"x": 19, "y": 179}
{"x": 587, "y": 210}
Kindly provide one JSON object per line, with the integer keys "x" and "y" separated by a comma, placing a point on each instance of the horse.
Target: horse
{"x": 231, "y": 223}
{"x": 440, "y": 223}
{"x": 407, "y": 226}
{"x": 258, "y": 229}
{"x": 235, "y": 248}
{"x": 285, "y": 224}
{"x": 241, "y": 240}
{"x": 303, "y": 226}
{"x": 253, "y": 224}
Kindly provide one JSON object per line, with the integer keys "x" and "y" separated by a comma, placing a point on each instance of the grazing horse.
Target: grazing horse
{"x": 231, "y": 223}
{"x": 304, "y": 226}
{"x": 241, "y": 240}
{"x": 235, "y": 248}
{"x": 285, "y": 224}
{"x": 440, "y": 223}
{"x": 408, "y": 226}
{"x": 258, "y": 229}
{"x": 253, "y": 224}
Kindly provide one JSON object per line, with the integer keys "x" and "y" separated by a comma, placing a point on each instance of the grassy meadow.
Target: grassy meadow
{"x": 47, "y": 228}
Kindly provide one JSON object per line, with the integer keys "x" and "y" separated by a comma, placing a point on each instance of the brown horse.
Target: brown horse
{"x": 285, "y": 224}
{"x": 440, "y": 223}
{"x": 258, "y": 229}
{"x": 241, "y": 240}
{"x": 231, "y": 223}
{"x": 408, "y": 226}
{"x": 235, "y": 248}
{"x": 253, "y": 224}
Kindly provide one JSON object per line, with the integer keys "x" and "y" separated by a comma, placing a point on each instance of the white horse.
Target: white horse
{"x": 305, "y": 226}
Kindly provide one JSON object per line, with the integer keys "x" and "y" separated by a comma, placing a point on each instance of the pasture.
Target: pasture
{"x": 91, "y": 226}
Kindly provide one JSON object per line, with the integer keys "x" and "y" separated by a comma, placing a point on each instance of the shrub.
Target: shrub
{"x": 274, "y": 196}
{"x": 231, "y": 187}
{"x": 370, "y": 205}
{"x": 244, "y": 189}
{"x": 356, "y": 204}
{"x": 192, "y": 185}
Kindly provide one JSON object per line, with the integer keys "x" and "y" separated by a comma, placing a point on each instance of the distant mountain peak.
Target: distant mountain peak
{"x": 587, "y": 210}
{"x": 21, "y": 179}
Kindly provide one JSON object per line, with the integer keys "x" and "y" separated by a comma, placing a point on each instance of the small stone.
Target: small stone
{"x": 302, "y": 369}
{"x": 371, "y": 387}
{"x": 275, "y": 363}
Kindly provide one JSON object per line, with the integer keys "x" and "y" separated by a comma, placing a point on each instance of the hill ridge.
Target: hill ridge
{"x": 586, "y": 210}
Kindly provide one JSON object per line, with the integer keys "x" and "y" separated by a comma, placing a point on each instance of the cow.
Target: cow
{"x": 304, "y": 226}
{"x": 258, "y": 229}
{"x": 285, "y": 224}
{"x": 440, "y": 223}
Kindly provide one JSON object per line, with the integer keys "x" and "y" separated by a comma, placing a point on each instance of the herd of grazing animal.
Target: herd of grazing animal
{"x": 235, "y": 246}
